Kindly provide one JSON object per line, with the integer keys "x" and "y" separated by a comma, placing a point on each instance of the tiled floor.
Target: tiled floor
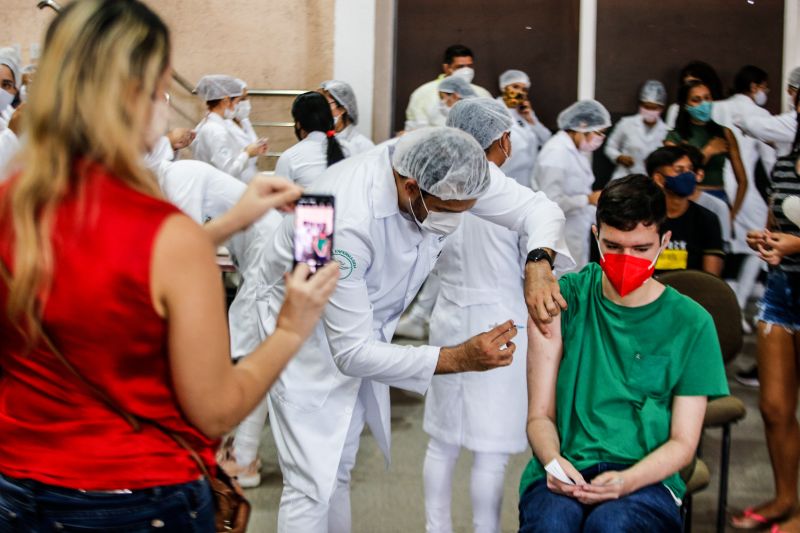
{"x": 388, "y": 501}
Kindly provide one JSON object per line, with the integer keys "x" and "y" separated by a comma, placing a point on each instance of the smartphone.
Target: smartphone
{"x": 313, "y": 230}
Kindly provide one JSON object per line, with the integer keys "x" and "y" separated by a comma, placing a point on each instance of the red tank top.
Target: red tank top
{"x": 100, "y": 315}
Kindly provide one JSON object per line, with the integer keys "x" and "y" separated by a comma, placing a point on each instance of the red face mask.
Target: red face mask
{"x": 627, "y": 272}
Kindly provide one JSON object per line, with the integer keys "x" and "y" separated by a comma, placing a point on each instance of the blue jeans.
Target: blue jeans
{"x": 650, "y": 509}
{"x": 32, "y": 507}
{"x": 780, "y": 304}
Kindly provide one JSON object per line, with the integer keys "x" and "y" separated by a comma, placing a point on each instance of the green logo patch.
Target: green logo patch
{"x": 347, "y": 264}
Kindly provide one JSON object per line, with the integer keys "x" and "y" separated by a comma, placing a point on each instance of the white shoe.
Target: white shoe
{"x": 412, "y": 327}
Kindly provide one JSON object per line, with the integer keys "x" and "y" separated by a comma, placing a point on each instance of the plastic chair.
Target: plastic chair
{"x": 720, "y": 301}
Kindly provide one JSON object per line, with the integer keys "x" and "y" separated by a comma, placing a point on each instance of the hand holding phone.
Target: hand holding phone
{"x": 313, "y": 230}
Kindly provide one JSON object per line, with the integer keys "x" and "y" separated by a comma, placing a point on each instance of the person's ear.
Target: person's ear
{"x": 446, "y": 69}
{"x": 658, "y": 177}
{"x": 701, "y": 175}
{"x": 665, "y": 239}
{"x": 595, "y": 232}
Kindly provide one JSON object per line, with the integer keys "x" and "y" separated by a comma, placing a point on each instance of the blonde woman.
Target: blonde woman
{"x": 127, "y": 290}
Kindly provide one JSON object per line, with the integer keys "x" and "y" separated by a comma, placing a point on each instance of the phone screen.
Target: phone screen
{"x": 313, "y": 230}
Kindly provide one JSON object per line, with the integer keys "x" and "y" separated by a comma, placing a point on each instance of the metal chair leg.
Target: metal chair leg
{"x": 687, "y": 513}
{"x": 724, "y": 464}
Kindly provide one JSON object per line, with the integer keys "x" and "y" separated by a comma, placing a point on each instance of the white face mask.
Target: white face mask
{"x": 242, "y": 110}
{"x": 5, "y": 99}
{"x": 158, "y": 123}
{"x": 228, "y": 114}
{"x": 649, "y": 115}
{"x": 760, "y": 98}
{"x": 593, "y": 143}
{"x": 442, "y": 224}
{"x": 443, "y": 109}
{"x": 467, "y": 73}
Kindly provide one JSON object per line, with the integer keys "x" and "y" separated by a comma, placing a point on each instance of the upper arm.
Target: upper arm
{"x": 283, "y": 167}
{"x": 187, "y": 288}
{"x": 544, "y": 360}
{"x": 688, "y": 413}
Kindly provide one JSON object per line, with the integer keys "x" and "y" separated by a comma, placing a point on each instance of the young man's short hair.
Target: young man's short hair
{"x": 456, "y": 50}
{"x": 627, "y": 202}
{"x": 666, "y": 156}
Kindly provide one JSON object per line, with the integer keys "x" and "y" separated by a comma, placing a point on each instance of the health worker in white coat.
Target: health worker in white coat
{"x": 528, "y": 133}
{"x": 242, "y": 128}
{"x": 395, "y": 206}
{"x": 451, "y": 90}
{"x": 342, "y": 100}
{"x": 318, "y": 148}
{"x": 637, "y": 136}
{"x": 564, "y": 171}
{"x": 216, "y": 143}
{"x": 481, "y": 274}
{"x": 750, "y": 85}
{"x": 10, "y": 83}
{"x": 777, "y": 130}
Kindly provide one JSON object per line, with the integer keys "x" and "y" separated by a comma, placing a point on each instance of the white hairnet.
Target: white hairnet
{"x": 653, "y": 92}
{"x": 446, "y": 162}
{"x": 456, "y": 85}
{"x": 242, "y": 83}
{"x": 217, "y": 87}
{"x": 486, "y": 119}
{"x": 30, "y": 69}
{"x": 514, "y": 76}
{"x": 584, "y": 116}
{"x": 794, "y": 78}
{"x": 344, "y": 96}
{"x": 10, "y": 58}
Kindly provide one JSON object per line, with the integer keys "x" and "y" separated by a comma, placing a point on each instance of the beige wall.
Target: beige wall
{"x": 272, "y": 44}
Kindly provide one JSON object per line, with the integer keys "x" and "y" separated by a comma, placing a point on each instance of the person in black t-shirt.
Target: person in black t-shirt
{"x": 696, "y": 241}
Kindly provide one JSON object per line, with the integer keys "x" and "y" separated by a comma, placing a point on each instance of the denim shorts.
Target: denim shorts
{"x": 32, "y": 507}
{"x": 780, "y": 304}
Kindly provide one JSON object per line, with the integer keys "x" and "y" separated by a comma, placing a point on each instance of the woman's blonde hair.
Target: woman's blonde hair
{"x": 91, "y": 102}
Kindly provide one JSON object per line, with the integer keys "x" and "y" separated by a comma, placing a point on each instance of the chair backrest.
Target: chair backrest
{"x": 718, "y": 299}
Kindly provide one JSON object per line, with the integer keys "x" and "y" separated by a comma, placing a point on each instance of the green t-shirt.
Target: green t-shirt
{"x": 621, "y": 368}
{"x": 699, "y": 138}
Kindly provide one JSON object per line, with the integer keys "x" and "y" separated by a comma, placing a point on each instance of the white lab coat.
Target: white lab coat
{"x": 632, "y": 137}
{"x": 565, "y": 175}
{"x": 672, "y": 115}
{"x": 778, "y": 130}
{"x": 526, "y": 139}
{"x": 754, "y": 211}
{"x": 356, "y": 142}
{"x": 481, "y": 274}
{"x": 9, "y": 147}
{"x": 384, "y": 259}
{"x": 424, "y": 98}
{"x": 245, "y": 136}
{"x": 202, "y": 192}
{"x": 217, "y": 145}
{"x": 304, "y": 162}
{"x": 723, "y": 212}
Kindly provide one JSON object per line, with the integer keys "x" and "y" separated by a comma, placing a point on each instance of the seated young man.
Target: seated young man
{"x": 618, "y": 390}
{"x": 696, "y": 241}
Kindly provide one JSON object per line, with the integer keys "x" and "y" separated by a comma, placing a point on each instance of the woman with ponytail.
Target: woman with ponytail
{"x": 318, "y": 148}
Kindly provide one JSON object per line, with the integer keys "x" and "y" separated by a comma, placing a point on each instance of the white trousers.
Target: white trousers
{"x": 486, "y": 488}
{"x": 298, "y": 512}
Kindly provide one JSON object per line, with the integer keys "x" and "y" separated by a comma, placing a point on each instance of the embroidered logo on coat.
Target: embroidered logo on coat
{"x": 347, "y": 264}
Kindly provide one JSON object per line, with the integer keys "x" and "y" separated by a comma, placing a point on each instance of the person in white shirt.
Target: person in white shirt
{"x": 343, "y": 104}
{"x": 637, "y": 136}
{"x": 451, "y": 90}
{"x": 395, "y": 207}
{"x": 242, "y": 129}
{"x": 528, "y": 133}
{"x": 216, "y": 143}
{"x": 481, "y": 276}
{"x": 458, "y": 61}
{"x": 564, "y": 171}
{"x": 776, "y": 130}
{"x": 318, "y": 148}
{"x": 10, "y": 83}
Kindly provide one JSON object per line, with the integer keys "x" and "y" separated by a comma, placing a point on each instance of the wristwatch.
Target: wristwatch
{"x": 539, "y": 254}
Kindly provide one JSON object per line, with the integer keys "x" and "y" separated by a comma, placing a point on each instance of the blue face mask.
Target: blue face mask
{"x": 700, "y": 112}
{"x": 682, "y": 185}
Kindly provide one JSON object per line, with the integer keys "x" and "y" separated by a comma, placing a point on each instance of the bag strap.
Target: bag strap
{"x": 135, "y": 421}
